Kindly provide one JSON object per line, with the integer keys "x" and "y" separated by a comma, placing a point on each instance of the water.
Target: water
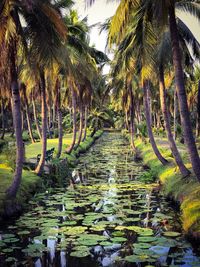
{"x": 106, "y": 217}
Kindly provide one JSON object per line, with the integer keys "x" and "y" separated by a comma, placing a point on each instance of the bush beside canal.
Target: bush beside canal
{"x": 59, "y": 169}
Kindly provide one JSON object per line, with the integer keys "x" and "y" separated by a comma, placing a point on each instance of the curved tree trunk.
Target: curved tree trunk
{"x": 35, "y": 118}
{"x": 60, "y": 130}
{"x": 85, "y": 126}
{"x": 198, "y": 111}
{"x": 74, "y": 121}
{"x": 148, "y": 121}
{"x": 80, "y": 126}
{"x": 182, "y": 97}
{"x": 41, "y": 163}
{"x": 163, "y": 101}
{"x": 3, "y": 120}
{"x": 126, "y": 119}
{"x": 27, "y": 113}
{"x": 175, "y": 114}
{"x": 16, "y": 110}
{"x": 132, "y": 114}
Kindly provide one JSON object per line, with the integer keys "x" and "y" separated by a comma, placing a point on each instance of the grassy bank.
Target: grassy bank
{"x": 185, "y": 191}
{"x": 30, "y": 181}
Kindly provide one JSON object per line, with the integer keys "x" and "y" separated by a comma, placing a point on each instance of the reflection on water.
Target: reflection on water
{"x": 106, "y": 217}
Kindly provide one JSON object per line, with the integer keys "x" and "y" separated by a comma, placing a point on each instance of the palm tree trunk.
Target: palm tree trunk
{"x": 198, "y": 111}
{"x": 132, "y": 114}
{"x": 126, "y": 118}
{"x": 80, "y": 126}
{"x": 163, "y": 101}
{"x": 182, "y": 97}
{"x": 41, "y": 163}
{"x": 22, "y": 118}
{"x": 60, "y": 130}
{"x": 35, "y": 118}
{"x": 85, "y": 126}
{"x": 175, "y": 114}
{"x": 27, "y": 113}
{"x": 74, "y": 121}
{"x": 16, "y": 111}
{"x": 3, "y": 119}
{"x": 148, "y": 121}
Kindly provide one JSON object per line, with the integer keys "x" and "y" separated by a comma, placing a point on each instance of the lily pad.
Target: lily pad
{"x": 171, "y": 234}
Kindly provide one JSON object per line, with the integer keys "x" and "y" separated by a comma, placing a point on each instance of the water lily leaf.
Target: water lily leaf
{"x": 142, "y": 245}
{"x": 146, "y": 239}
{"x": 118, "y": 239}
{"x": 171, "y": 234}
{"x": 25, "y": 232}
{"x": 80, "y": 254}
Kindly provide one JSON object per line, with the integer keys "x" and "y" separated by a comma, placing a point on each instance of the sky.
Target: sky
{"x": 97, "y": 13}
{"x": 101, "y": 10}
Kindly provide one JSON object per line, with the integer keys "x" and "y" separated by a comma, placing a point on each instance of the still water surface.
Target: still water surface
{"x": 109, "y": 217}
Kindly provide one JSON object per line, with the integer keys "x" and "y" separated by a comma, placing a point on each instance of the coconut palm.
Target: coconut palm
{"x": 15, "y": 35}
{"x": 164, "y": 12}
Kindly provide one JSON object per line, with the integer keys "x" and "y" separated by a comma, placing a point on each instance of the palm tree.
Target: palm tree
{"x": 163, "y": 12}
{"x": 25, "y": 98}
{"x": 33, "y": 13}
{"x": 146, "y": 85}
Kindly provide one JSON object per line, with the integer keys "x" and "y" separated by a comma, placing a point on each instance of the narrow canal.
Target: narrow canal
{"x": 110, "y": 217}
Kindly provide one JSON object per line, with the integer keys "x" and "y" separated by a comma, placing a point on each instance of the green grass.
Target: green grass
{"x": 184, "y": 190}
{"x": 33, "y": 150}
{"x": 28, "y": 184}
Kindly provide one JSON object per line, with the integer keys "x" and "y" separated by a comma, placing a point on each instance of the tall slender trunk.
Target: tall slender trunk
{"x": 80, "y": 126}
{"x": 148, "y": 121}
{"x": 41, "y": 163}
{"x": 85, "y": 126}
{"x": 27, "y": 113}
{"x": 74, "y": 120}
{"x": 175, "y": 113}
{"x": 132, "y": 115}
{"x": 54, "y": 116}
{"x": 16, "y": 111}
{"x": 36, "y": 119}
{"x": 60, "y": 130}
{"x": 163, "y": 101}
{"x": 182, "y": 97}
{"x": 198, "y": 110}
{"x": 49, "y": 122}
{"x": 126, "y": 118}
{"x": 3, "y": 119}
{"x": 22, "y": 118}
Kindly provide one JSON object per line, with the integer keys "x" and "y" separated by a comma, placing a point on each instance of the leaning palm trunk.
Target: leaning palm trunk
{"x": 74, "y": 121}
{"x": 27, "y": 113}
{"x": 182, "y": 97}
{"x": 41, "y": 163}
{"x": 35, "y": 119}
{"x": 132, "y": 112}
{"x": 60, "y": 130}
{"x": 184, "y": 171}
{"x": 80, "y": 126}
{"x": 126, "y": 119}
{"x": 149, "y": 129}
{"x": 3, "y": 120}
{"x": 85, "y": 126}
{"x": 16, "y": 111}
{"x": 198, "y": 111}
{"x": 175, "y": 114}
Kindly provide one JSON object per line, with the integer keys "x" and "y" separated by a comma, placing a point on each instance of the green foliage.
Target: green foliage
{"x": 147, "y": 177}
{"x": 9, "y": 153}
{"x": 2, "y": 144}
{"x": 142, "y": 128}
